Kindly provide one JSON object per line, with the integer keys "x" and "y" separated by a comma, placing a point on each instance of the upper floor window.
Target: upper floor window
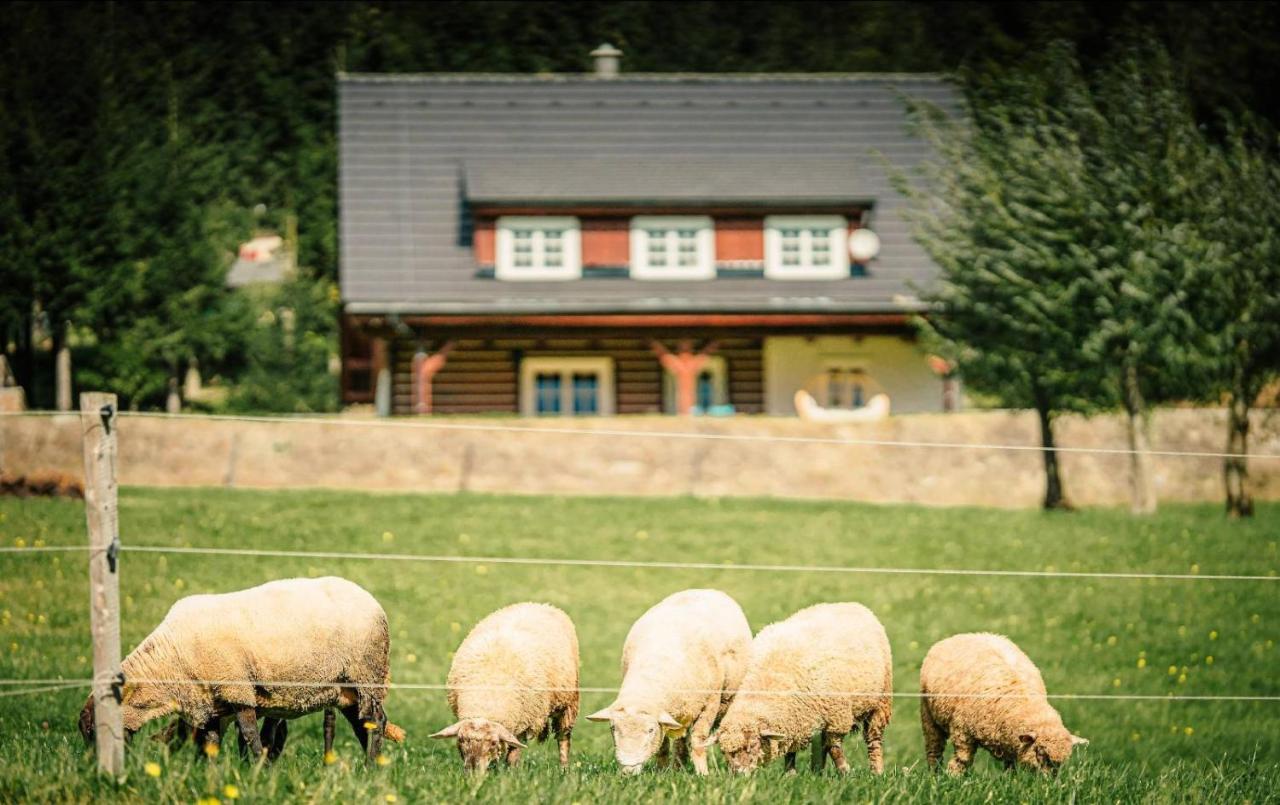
{"x": 538, "y": 247}
{"x": 809, "y": 247}
{"x": 672, "y": 247}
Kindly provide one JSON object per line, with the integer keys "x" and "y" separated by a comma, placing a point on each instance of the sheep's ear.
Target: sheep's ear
{"x": 1027, "y": 738}
{"x": 450, "y": 731}
{"x": 669, "y": 721}
{"x": 602, "y": 715}
{"x": 1076, "y": 740}
{"x": 509, "y": 737}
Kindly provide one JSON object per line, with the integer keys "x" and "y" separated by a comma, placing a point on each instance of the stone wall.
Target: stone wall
{"x": 530, "y": 457}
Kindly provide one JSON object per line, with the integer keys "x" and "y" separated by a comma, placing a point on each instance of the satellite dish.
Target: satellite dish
{"x": 864, "y": 245}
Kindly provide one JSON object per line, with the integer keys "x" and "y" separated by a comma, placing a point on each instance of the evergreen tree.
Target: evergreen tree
{"x": 1236, "y": 299}
{"x": 1001, "y": 212}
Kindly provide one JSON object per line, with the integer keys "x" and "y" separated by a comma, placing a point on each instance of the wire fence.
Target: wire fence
{"x": 648, "y": 565}
{"x": 20, "y": 687}
{"x": 48, "y": 684}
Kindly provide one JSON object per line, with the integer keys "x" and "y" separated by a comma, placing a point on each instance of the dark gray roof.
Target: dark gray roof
{"x": 415, "y": 149}
{"x": 649, "y": 179}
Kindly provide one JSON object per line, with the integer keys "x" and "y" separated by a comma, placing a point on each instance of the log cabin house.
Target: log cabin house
{"x": 605, "y": 243}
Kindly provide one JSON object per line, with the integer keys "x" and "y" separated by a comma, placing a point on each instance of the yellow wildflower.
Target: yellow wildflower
{"x": 1112, "y": 640}
{"x": 1188, "y": 732}
{"x": 370, "y": 726}
{"x": 1115, "y": 683}
{"x": 208, "y": 801}
{"x": 383, "y": 760}
{"x": 330, "y": 758}
{"x": 1255, "y": 618}
{"x": 391, "y": 797}
{"x": 1213, "y": 635}
{"x": 642, "y": 535}
{"x": 211, "y": 749}
{"x": 1208, "y": 660}
{"x": 387, "y": 536}
{"x": 230, "y": 791}
{"x": 152, "y": 769}
{"x": 411, "y": 658}
{"x": 455, "y": 627}
{"x": 1173, "y": 670}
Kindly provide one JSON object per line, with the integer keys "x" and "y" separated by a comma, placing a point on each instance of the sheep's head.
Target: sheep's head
{"x": 637, "y": 733}
{"x": 480, "y": 742}
{"x": 87, "y": 724}
{"x": 1047, "y": 748}
{"x": 746, "y": 748}
{"x": 141, "y": 702}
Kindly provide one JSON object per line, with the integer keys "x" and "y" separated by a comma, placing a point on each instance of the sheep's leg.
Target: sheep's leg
{"x": 831, "y": 740}
{"x": 330, "y": 719}
{"x": 789, "y": 761}
{"x": 935, "y": 738}
{"x": 817, "y": 753}
{"x": 963, "y": 756}
{"x": 247, "y": 721}
{"x": 680, "y": 748}
{"x": 873, "y": 733}
{"x": 700, "y": 733}
{"x": 662, "y": 758}
{"x": 352, "y": 714}
{"x": 275, "y": 731}
{"x": 564, "y": 735}
{"x": 379, "y": 722}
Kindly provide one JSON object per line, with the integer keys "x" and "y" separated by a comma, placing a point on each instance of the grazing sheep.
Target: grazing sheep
{"x": 213, "y": 658}
{"x": 1000, "y": 705}
{"x": 514, "y": 677}
{"x": 681, "y": 665}
{"x": 817, "y": 675}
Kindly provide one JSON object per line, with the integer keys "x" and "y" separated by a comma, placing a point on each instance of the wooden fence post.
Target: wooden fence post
{"x": 98, "y": 428}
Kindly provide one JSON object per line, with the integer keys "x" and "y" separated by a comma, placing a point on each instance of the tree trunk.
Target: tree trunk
{"x": 1142, "y": 494}
{"x": 1236, "y": 470}
{"x": 62, "y": 370}
{"x": 1054, "y": 498}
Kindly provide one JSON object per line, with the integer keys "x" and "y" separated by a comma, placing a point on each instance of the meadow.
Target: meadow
{"x": 1165, "y": 638}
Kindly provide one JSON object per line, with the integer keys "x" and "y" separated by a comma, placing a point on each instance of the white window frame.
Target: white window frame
{"x": 571, "y": 248}
{"x": 530, "y": 368}
{"x": 642, "y": 227}
{"x": 836, "y": 227}
{"x": 719, "y": 369}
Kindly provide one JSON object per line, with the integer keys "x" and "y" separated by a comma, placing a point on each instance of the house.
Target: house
{"x": 607, "y": 243}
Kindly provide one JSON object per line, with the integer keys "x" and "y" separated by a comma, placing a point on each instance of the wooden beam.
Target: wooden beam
{"x": 98, "y": 433}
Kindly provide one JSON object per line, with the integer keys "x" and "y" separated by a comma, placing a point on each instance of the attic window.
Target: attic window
{"x": 672, "y": 247}
{"x": 807, "y": 247}
{"x": 538, "y": 248}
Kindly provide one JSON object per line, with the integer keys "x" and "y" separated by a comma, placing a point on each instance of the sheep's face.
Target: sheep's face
{"x": 139, "y": 704}
{"x": 480, "y": 742}
{"x": 142, "y": 703}
{"x": 638, "y": 733}
{"x": 1046, "y": 750}
{"x": 744, "y": 750}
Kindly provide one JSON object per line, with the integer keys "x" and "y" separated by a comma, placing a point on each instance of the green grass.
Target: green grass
{"x": 1087, "y": 635}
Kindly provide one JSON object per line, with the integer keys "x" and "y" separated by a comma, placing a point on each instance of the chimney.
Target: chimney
{"x": 606, "y": 60}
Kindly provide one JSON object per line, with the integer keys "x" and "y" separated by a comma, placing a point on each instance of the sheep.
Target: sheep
{"x": 682, "y": 662}
{"x": 816, "y": 675}
{"x": 999, "y": 704}
{"x": 213, "y": 658}
{"x": 514, "y": 677}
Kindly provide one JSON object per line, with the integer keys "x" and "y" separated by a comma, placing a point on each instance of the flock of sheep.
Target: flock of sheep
{"x": 692, "y": 676}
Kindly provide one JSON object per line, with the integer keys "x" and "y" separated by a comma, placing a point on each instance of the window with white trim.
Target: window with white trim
{"x": 805, "y": 247}
{"x": 538, "y": 247}
{"x": 566, "y": 386}
{"x": 710, "y": 390}
{"x": 846, "y": 384}
{"x": 673, "y": 247}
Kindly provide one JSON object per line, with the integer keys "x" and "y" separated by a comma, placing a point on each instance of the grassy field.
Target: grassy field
{"x": 1088, "y": 635}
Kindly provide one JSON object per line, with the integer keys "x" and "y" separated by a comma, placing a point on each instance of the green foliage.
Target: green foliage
{"x": 288, "y": 346}
{"x": 1087, "y": 635}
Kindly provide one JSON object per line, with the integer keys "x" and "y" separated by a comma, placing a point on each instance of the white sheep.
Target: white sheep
{"x": 215, "y": 657}
{"x": 816, "y": 675}
{"x": 514, "y": 677}
{"x": 981, "y": 690}
{"x": 681, "y": 665}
